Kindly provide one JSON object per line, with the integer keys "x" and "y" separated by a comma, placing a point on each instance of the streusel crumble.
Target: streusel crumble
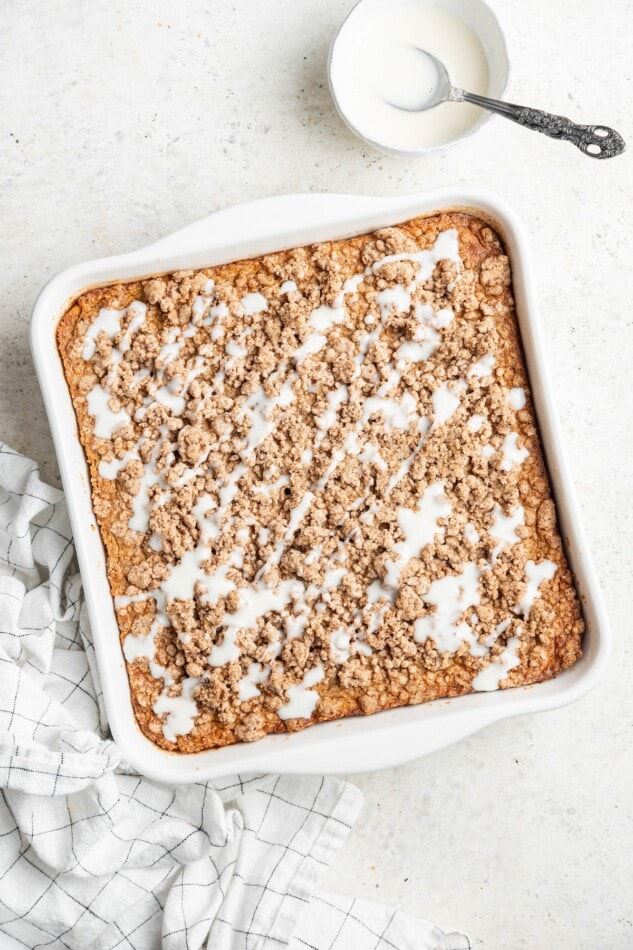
{"x": 319, "y": 483}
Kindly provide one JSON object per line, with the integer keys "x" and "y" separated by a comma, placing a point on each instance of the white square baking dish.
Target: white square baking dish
{"x": 347, "y": 745}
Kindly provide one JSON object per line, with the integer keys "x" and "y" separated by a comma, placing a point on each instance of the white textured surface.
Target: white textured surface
{"x": 121, "y": 122}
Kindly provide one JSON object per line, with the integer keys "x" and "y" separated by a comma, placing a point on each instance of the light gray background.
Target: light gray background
{"x": 120, "y": 122}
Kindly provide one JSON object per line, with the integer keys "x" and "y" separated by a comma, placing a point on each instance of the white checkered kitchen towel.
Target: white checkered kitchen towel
{"x": 93, "y": 856}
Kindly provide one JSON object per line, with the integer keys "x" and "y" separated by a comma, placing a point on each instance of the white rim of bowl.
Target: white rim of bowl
{"x": 415, "y": 152}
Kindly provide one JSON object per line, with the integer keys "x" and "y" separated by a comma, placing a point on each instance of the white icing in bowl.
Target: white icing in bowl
{"x": 374, "y": 62}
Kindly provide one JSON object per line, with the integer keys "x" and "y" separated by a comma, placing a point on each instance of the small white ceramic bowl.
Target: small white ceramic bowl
{"x": 474, "y": 13}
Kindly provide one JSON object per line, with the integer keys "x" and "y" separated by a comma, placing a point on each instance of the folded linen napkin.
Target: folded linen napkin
{"x": 93, "y": 855}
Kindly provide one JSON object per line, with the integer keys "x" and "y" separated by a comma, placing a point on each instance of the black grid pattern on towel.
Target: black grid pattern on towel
{"x": 94, "y": 855}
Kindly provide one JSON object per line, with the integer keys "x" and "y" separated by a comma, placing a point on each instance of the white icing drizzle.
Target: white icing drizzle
{"x": 377, "y": 618}
{"x": 446, "y": 247}
{"x": 137, "y": 647}
{"x": 475, "y": 422}
{"x": 393, "y": 298}
{"x": 397, "y": 413}
{"x": 446, "y": 399}
{"x": 424, "y": 426}
{"x": 516, "y": 398}
{"x": 259, "y": 408}
{"x": 110, "y": 470}
{"x": 426, "y": 337}
{"x": 253, "y": 303}
{"x": 536, "y": 574}
{"x": 451, "y": 596}
{"x": 371, "y": 456}
{"x": 340, "y": 647}
{"x": 335, "y": 398}
{"x": 288, "y": 287}
{"x": 416, "y": 352}
{"x": 107, "y": 321}
{"x": 106, "y": 421}
{"x": 471, "y": 534}
{"x": 167, "y": 396}
{"x": 138, "y": 311}
{"x": 352, "y": 283}
{"x": 419, "y": 527}
{"x": 254, "y": 602}
{"x": 169, "y": 350}
{"x": 502, "y": 627}
{"x": 324, "y": 317}
{"x": 247, "y": 687}
{"x": 297, "y": 515}
{"x": 267, "y": 488}
{"x": 124, "y": 600}
{"x": 142, "y": 647}
{"x": 512, "y": 454}
{"x": 504, "y": 527}
{"x": 314, "y": 555}
{"x": 235, "y": 350}
{"x": 155, "y": 542}
{"x": 176, "y": 339}
{"x": 301, "y": 699}
{"x": 313, "y": 344}
{"x": 482, "y": 367}
{"x": 333, "y": 578}
{"x": 491, "y": 676}
{"x": 180, "y": 710}
{"x": 295, "y": 625}
{"x": 151, "y": 476}
{"x": 201, "y": 509}
{"x": 110, "y": 322}
{"x": 367, "y": 517}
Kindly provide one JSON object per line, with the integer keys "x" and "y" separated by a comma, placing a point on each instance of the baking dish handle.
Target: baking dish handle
{"x": 285, "y": 216}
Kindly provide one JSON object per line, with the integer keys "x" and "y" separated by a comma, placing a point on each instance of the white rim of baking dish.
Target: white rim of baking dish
{"x": 346, "y": 745}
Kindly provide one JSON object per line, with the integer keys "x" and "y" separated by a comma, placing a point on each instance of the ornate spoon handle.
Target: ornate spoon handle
{"x": 597, "y": 141}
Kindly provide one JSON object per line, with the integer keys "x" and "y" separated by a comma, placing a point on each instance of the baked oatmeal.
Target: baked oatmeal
{"x": 319, "y": 483}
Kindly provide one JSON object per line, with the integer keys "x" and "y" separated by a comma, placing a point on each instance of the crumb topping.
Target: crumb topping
{"x": 320, "y": 483}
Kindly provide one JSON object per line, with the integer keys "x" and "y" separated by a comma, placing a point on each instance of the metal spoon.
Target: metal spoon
{"x": 597, "y": 141}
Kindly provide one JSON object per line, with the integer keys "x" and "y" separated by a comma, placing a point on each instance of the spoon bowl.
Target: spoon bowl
{"x": 439, "y": 93}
